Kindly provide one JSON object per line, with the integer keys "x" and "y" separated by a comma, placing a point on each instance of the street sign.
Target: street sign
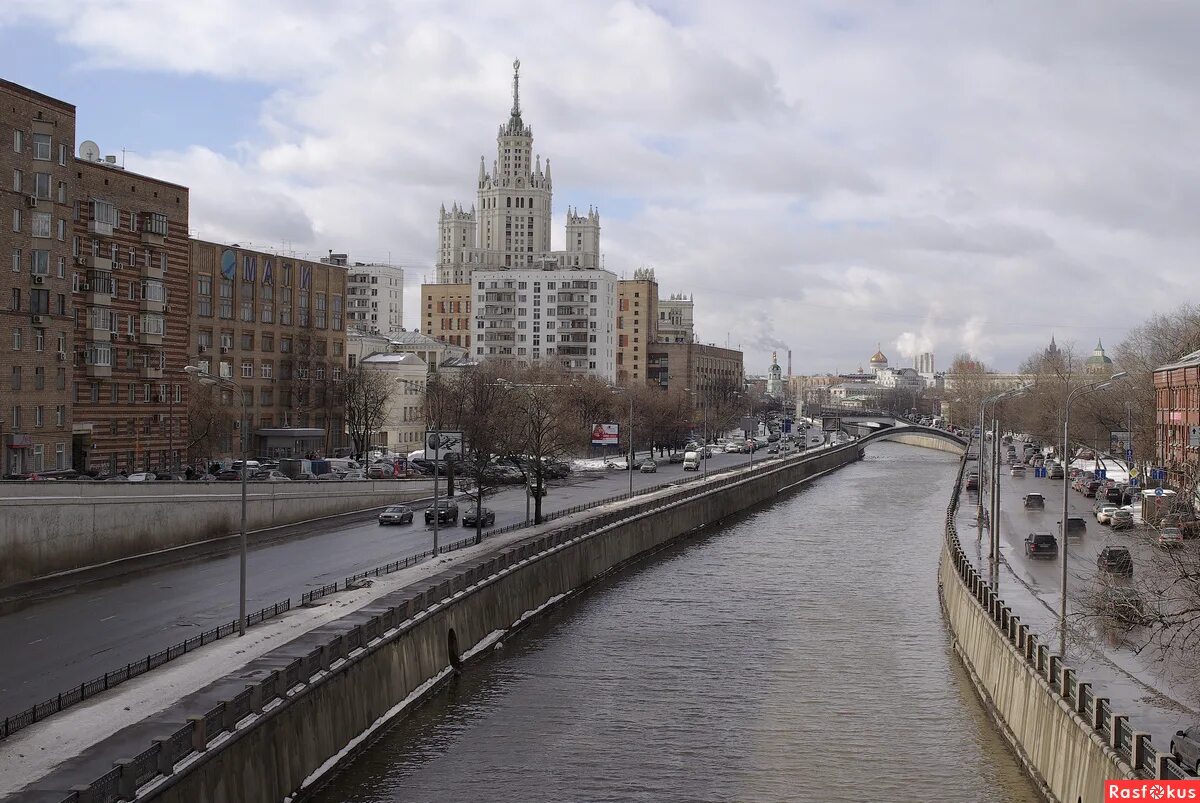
{"x": 1158, "y": 491}
{"x": 1133, "y": 472}
{"x": 1101, "y": 474}
{"x": 1194, "y": 436}
{"x": 443, "y": 445}
{"x": 1129, "y": 454}
{"x": 1134, "y": 482}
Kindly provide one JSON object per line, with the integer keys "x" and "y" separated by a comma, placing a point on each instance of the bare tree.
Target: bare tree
{"x": 970, "y": 386}
{"x": 212, "y": 415}
{"x": 543, "y": 425}
{"x": 484, "y": 418}
{"x": 366, "y": 392}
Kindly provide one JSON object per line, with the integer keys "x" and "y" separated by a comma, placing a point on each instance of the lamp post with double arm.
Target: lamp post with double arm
{"x": 205, "y": 378}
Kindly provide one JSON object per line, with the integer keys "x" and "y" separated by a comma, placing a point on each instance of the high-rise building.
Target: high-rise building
{"x": 637, "y": 324}
{"x": 131, "y": 292}
{"x": 274, "y": 325}
{"x": 675, "y": 319}
{"x": 523, "y": 316}
{"x": 446, "y": 312}
{"x": 509, "y": 226}
{"x": 37, "y": 137}
{"x": 923, "y": 362}
{"x": 374, "y": 295}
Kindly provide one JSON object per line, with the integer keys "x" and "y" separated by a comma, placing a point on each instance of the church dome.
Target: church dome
{"x": 1099, "y": 362}
{"x": 878, "y": 360}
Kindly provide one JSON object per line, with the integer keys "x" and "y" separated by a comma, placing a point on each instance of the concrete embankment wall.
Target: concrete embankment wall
{"x": 272, "y": 756}
{"x": 925, "y": 442}
{"x": 1068, "y": 739}
{"x": 58, "y": 526}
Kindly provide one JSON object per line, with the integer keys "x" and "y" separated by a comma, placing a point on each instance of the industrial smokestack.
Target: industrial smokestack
{"x": 789, "y": 363}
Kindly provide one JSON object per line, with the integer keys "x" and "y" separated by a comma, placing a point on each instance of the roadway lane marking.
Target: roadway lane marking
{"x": 106, "y": 618}
{"x": 35, "y": 642}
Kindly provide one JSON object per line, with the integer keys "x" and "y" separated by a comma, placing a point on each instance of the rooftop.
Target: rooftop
{"x": 1186, "y": 361}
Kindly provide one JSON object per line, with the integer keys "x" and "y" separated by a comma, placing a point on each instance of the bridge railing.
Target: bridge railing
{"x": 1061, "y": 680}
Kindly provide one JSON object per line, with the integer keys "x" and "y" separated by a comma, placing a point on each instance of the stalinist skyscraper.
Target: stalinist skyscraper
{"x": 509, "y": 225}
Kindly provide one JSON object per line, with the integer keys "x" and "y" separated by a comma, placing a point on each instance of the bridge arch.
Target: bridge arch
{"x": 917, "y": 435}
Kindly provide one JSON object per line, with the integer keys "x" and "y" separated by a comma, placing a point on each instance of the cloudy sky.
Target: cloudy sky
{"x": 822, "y": 176}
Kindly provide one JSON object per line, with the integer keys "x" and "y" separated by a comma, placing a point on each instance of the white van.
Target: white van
{"x": 691, "y": 461}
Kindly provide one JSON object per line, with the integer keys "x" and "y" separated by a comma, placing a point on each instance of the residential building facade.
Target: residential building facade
{"x": 374, "y": 295}
{"x": 273, "y": 325}
{"x": 131, "y": 292}
{"x": 403, "y": 427}
{"x": 433, "y": 353}
{"x": 705, "y": 371}
{"x": 37, "y": 137}
{"x": 676, "y": 319}
{"x": 446, "y": 313}
{"x": 1177, "y": 410}
{"x": 523, "y": 316}
{"x": 637, "y": 324}
{"x": 509, "y": 225}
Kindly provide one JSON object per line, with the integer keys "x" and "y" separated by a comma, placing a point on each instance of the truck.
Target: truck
{"x": 691, "y": 461}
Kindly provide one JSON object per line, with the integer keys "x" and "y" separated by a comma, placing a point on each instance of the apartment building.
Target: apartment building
{"x": 130, "y": 293}
{"x": 403, "y": 427}
{"x": 37, "y": 137}
{"x": 567, "y": 316}
{"x": 676, "y": 319}
{"x": 446, "y": 313}
{"x": 695, "y": 367}
{"x": 273, "y": 327}
{"x": 374, "y": 295}
{"x": 1177, "y": 414}
{"x": 637, "y": 324}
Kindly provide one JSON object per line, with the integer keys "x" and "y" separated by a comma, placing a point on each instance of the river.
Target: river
{"x": 794, "y": 653}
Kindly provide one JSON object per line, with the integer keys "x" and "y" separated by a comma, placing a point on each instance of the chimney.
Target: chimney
{"x": 789, "y": 363}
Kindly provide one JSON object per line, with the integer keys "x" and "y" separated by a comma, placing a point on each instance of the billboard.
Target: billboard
{"x": 1119, "y": 441}
{"x": 605, "y": 434}
{"x": 443, "y": 445}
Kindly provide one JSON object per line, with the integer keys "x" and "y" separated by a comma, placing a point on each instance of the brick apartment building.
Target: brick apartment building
{"x": 446, "y": 313}
{"x": 637, "y": 324}
{"x": 131, "y": 293}
{"x": 1177, "y": 409}
{"x": 695, "y": 367}
{"x": 37, "y": 137}
{"x": 275, "y": 326}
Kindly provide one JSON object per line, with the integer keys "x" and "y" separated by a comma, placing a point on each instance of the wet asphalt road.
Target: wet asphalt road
{"x": 55, "y": 643}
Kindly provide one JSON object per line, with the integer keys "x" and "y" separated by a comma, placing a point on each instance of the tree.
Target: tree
{"x": 212, "y": 414}
{"x": 366, "y": 392}
{"x": 543, "y": 424}
{"x": 477, "y": 400}
{"x": 970, "y": 386}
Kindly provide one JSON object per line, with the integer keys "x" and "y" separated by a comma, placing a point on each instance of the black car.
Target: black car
{"x": 1115, "y": 560}
{"x": 447, "y": 512}
{"x": 1075, "y": 526}
{"x": 1041, "y": 545}
{"x": 487, "y": 518}
{"x": 1035, "y": 501}
{"x": 972, "y": 481}
{"x": 397, "y": 514}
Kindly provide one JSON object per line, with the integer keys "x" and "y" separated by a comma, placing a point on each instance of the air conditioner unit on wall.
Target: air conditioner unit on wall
{"x": 39, "y": 279}
{"x": 31, "y": 201}
{"x": 224, "y": 349}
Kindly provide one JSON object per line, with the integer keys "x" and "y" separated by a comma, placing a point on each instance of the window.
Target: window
{"x": 266, "y": 370}
{"x": 39, "y": 339}
{"x": 39, "y": 378}
{"x": 247, "y": 370}
{"x": 16, "y": 220}
{"x": 60, "y": 414}
{"x": 16, "y": 339}
{"x": 41, "y": 186}
{"x": 152, "y": 324}
{"x": 204, "y": 296}
{"x": 247, "y": 341}
{"x": 15, "y": 382}
{"x": 37, "y": 416}
{"x": 18, "y": 177}
{"x": 226, "y": 308}
{"x": 154, "y": 291}
{"x": 42, "y": 149}
{"x": 285, "y": 345}
{"x": 268, "y": 342}
{"x": 105, "y": 213}
{"x": 156, "y": 223}
{"x": 62, "y": 192}
{"x": 18, "y": 141}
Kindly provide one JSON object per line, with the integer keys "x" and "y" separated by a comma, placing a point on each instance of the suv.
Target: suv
{"x": 447, "y": 512}
{"x": 1091, "y": 488}
{"x": 1041, "y": 545}
{"x": 1115, "y": 560}
{"x": 973, "y": 481}
{"x": 1035, "y": 501}
{"x": 1076, "y": 526}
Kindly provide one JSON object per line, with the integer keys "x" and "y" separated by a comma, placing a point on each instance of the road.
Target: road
{"x": 55, "y": 643}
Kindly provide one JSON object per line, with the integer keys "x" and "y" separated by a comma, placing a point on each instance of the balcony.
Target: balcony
{"x": 572, "y": 351}
{"x": 149, "y": 372}
{"x": 152, "y": 271}
{"x": 499, "y": 338}
{"x": 102, "y": 229}
{"x": 97, "y": 333}
{"x": 493, "y": 296}
{"x": 150, "y": 339}
{"x": 96, "y": 262}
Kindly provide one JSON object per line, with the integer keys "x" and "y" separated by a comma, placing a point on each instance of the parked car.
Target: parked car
{"x": 381, "y": 471}
{"x": 1186, "y": 748}
{"x": 1076, "y": 526}
{"x": 1170, "y": 538}
{"x": 487, "y": 517}
{"x": 648, "y": 467}
{"x": 271, "y": 475}
{"x": 229, "y": 475}
{"x": 1124, "y": 604}
{"x": 1104, "y": 513}
{"x": 397, "y": 514}
{"x": 1092, "y": 487}
{"x": 142, "y": 476}
{"x": 1017, "y": 471}
{"x": 330, "y": 476}
{"x": 691, "y": 461}
{"x": 253, "y": 465}
{"x": 1121, "y": 519}
{"x": 1182, "y": 518}
{"x": 355, "y": 474}
{"x": 675, "y": 458}
{"x": 1116, "y": 495}
{"x": 1041, "y": 545}
{"x": 447, "y": 512}
{"x": 1115, "y": 560}
{"x": 1035, "y": 501}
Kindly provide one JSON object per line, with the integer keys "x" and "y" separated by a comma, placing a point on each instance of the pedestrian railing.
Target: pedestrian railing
{"x": 1115, "y": 729}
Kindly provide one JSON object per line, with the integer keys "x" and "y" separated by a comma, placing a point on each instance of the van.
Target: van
{"x": 691, "y": 461}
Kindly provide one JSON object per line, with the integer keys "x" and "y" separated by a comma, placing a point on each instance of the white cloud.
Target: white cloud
{"x": 944, "y": 176}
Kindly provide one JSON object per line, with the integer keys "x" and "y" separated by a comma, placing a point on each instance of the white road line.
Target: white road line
{"x": 106, "y": 618}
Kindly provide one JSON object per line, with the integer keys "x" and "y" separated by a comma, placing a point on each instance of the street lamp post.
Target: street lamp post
{"x": 1064, "y": 548}
{"x": 205, "y": 378}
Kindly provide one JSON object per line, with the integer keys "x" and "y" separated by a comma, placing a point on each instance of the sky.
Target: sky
{"x": 821, "y": 176}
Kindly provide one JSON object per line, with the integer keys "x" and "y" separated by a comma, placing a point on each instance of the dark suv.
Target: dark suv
{"x": 1036, "y": 501}
{"x": 1115, "y": 560}
{"x": 447, "y": 512}
{"x": 1041, "y": 545}
{"x": 1076, "y": 526}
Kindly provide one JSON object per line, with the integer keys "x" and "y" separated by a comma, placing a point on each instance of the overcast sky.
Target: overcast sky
{"x": 945, "y": 176}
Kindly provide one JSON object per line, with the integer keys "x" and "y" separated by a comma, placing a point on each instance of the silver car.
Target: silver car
{"x": 396, "y": 514}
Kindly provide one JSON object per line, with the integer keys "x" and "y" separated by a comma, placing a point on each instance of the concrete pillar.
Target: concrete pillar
{"x": 1140, "y": 741}
{"x": 83, "y": 794}
{"x": 1022, "y": 637}
{"x": 1081, "y": 689}
{"x": 166, "y": 761}
{"x": 1066, "y": 674}
{"x": 199, "y": 733}
{"x": 1096, "y": 723}
{"x": 1160, "y": 770}
{"x": 1114, "y": 725}
{"x": 1014, "y": 629}
{"x": 126, "y": 787}
{"x": 327, "y": 657}
{"x": 256, "y": 696}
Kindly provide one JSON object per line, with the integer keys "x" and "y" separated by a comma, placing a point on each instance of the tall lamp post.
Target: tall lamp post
{"x": 994, "y": 527}
{"x": 205, "y": 378}
{"x": 703, "y": 430}
{"x": 1082, "y": 390}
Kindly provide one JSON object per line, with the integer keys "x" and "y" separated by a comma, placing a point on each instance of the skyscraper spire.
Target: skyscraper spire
{"x": 516, "y": 109}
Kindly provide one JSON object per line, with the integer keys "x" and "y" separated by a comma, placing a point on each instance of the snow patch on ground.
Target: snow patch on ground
{"x": 484, "y": 643}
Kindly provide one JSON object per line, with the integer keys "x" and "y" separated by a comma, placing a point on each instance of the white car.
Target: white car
{"x": 142, "y": 476}
{"x": 1104, "y": 514}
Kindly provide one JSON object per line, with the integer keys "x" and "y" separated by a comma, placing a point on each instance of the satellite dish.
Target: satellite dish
{"x": 89, "y": 151}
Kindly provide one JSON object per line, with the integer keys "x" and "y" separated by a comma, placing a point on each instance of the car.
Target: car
{"x": 486, "y": 518}
{"x": 1124, "y": 604}
{"x": 773, "y": 449}
{"x": 396, "y": 514}
{"x": 381, "y": 471}
{"x": 1104, "y": 513}
{"x": 675, "y": 458}
{"x": 648, "y": 467}
{"x": 1092, "y": 487}
{"x": 1041, "y": 545}
{"x": 142, "y": 476}
{"x": 973, "y": 481}
{"x": 1076, "y": 526}
{"x": 1115, "y": 494}
{"x": 447, "y": 512}
{"x": 253, "y": 465}
{"x": 229, "y": 475}
{"x": 271, "y": 475}
{"x": 1121, "y": 519}
{"x": 330, "y": 476}
{"x": 1056, "y": 472}
{"x": 1186, "y": 748}
{"x": 1035, "y": 501}
{"x": 1182, "y": 518}
{"x": 355, "y": 474}
{"x": 1170, "y": 538}
{"x": 1017, "y": 471}
{"x": 1115, "y": 560}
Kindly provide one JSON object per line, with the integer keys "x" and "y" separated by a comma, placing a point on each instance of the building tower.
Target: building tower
{"x": 457, "y": 233}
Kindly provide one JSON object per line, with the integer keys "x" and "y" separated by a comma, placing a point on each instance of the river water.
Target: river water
{"x": 795, "y": 653}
